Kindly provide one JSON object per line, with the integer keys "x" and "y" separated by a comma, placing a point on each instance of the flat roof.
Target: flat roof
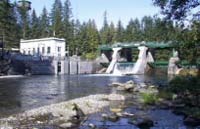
{"x": 41, "y": 39}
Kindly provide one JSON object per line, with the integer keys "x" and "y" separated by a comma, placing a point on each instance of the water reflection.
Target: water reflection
{"x": 19, "y": 94}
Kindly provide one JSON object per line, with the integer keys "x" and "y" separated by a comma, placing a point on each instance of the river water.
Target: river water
{"x": 24, "y": 93}
{"x": 19, "y": 94}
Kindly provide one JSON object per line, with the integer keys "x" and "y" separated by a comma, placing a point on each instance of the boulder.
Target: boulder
{"x": 121, "y": 88}
{"x": 104, "y": 116}
{"x": 130, "y": 82}
{"x": 143, "y": 123}
{"x": 66, "y": 125}
{"x": 113, "y": 97}
{"x": 113, "y": 118}
{"x": 129, "y": 87}
{"x": 116, "y": 84}
{"x": 92, "y": 126}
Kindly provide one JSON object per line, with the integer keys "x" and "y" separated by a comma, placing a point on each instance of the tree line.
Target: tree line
{"x": 84, "y": 38}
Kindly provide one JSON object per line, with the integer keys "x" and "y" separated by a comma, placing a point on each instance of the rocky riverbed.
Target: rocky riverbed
{"x": 130, "y": 105}
{"x": 145, "y": 107}
{"x": 69, "y": 114}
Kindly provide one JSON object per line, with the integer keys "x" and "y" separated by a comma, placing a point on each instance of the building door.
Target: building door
{"x": 59, "y": 67}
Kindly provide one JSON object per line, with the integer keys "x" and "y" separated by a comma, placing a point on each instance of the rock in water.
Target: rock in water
{"x": 129, "y": 87}
{"x": 92, "y": 126}
{"x": 115, "y": 84}
{"x": 113, "y": 118}
{"x": 130, "y": 82}
{"x": 142, "y": 123}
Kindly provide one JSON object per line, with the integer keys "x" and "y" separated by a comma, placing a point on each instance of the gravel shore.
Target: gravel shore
{"x": 65, "y": 114}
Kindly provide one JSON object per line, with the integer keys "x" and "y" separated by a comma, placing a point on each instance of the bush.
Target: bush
{"x": 187, "y": 89}
{"x": 149, "y": 98}
{"x": 188, "y": 84}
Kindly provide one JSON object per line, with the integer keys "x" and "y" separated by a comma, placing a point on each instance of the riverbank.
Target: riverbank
{"x": 63, "y": 115}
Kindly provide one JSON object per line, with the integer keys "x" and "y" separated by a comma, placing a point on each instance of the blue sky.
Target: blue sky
{"x": 94, "y": 9}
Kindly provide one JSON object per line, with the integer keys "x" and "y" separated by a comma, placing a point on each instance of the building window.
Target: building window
{"x": 48, "y": 50}
{"x": 43, "y": 50}
{"x": 59, "y": 49}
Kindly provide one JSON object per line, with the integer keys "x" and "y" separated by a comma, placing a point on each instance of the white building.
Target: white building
{"x": 53, "y": 47}
{"x": 46, "y": 47}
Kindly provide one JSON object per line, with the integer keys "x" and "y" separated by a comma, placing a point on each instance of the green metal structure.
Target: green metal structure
{"x": 135, "y": 45}
{"x": 154, "y": 45}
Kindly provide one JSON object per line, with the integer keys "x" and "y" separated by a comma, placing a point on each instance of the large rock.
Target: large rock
{"x": 128, "y": 86}
{"x": 113, "y": 97}
{"x": 116, "y": 84}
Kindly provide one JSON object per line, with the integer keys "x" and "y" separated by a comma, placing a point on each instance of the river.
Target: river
{"x": 28, "y": 92}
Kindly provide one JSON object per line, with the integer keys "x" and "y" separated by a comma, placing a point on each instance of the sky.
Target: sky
{"x": 94, "y": 9}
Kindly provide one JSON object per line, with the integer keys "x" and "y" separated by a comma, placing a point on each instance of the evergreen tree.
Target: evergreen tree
{"x": 83, "y": 39}
{"x": 35, "y": 28}
{"x": 93, "y": 36}
{"x": 56, "y": 19}
{"x": 120, "y": 32}
{"x": 77, "y": 38}
{"x": 133, "y": 31}
{"x": 44, "y": 24}
{"x": 68, "y": 24}
{"x": 112, "y": 33}
{"x": 147, "y": 28}
{"x": 105, "y": 31}
{"x": 8, "y": 24}
{"x": 24, "y": 22}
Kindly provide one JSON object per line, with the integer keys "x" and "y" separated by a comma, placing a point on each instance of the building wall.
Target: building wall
{"x": 47, "y": 47}
{"x": 42, "y": 46}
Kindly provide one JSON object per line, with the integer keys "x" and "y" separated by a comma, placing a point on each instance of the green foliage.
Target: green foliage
{"x": 9, "y": 30}
{"x": 44, "y": 23}
{"x": 56, "y": 19}
{"x": 120, "y": 32}
{"x": 35, "y": 28}
{"x": 165, "y": 94}
{"x": 185, "y": 85}
{"x": 82, "y": 38}
{"x": 176, "y": 9}
{"x": 149, "y": 98}
{"x": 90, "y": 56}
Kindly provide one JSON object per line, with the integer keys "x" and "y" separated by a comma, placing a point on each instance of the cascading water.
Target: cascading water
{"x": 141, "y": 63}
{"x": 123, "y": 68}
{"x": 115, "y": 58}
{"x": 139, "y": 67}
